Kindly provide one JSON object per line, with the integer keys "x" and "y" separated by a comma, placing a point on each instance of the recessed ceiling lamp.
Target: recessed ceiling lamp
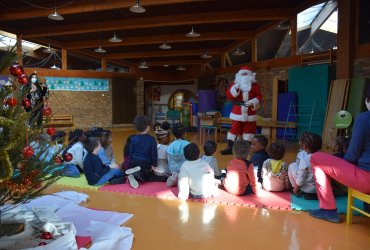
{"x": 206, "y": 56}
{"x": 115, "y": 39}
{"x": 282, "y": 26}
{"x": 143, "y": 65}
{"x": 181, "y": 68}
{"x": 137, "y": 8}
{"x": 238, "y": 52}
{"x": 192, "y": 33}
{"x": 100, "y": 49}
{"x": 165, "y": 46}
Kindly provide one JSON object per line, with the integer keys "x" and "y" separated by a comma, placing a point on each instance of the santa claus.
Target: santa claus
{"x": 246, "y": 96}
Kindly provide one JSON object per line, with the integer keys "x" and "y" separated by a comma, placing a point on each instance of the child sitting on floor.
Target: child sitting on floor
{"x": 274, "y": 170}
{"x": 300, "y": 175}
{"x": 175, "y": 153}
{"x": 196, "y": 177}
{"x": 76, "y": 148}
{"x": 259, "y": 144}
{"x": 126, "y": 153}
{"x": 240, "y": 179}
{"x": 340, "y": 146}
{"x": 161, "y": 132}
{"x": 96, "y": 172}
{"x": 210, "y": 148}
{"x": 105, "y": 138}
{"x": 143, "y": 154}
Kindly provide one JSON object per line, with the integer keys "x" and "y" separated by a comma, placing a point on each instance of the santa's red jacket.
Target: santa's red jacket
{"x": 253, "y": 99}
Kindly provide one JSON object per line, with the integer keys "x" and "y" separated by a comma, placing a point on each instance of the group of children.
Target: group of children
{"x": 179, "y": 162}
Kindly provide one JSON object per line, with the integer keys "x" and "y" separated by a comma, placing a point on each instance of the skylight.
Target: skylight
{"x": 331, "y": 25}
{"x": 306, "y": 17}
{"x": 9, "y": 40}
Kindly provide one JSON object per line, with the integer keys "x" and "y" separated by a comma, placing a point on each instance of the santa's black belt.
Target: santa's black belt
{"x": 239, "y": 103}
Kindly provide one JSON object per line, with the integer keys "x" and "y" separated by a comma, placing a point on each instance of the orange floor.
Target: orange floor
{"x": 165, "y": 224}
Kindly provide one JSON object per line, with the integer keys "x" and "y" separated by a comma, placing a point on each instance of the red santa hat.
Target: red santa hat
{"x": 246, "y": 68}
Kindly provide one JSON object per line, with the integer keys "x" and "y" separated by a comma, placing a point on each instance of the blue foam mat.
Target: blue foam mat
{"x": 299, "y": 203}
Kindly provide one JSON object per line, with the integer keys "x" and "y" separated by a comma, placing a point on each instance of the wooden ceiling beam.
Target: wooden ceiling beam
{"x": 160, "y": 21}
{"x": 307, "y": 4}
{"x": 148, "y": 54}
{"x": 207, "y": 36}
{"x": 84, "y": 7}
{"x": 170, "y": 62}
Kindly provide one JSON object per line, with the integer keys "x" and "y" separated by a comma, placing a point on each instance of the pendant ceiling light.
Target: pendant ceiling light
{"x": 143, "y": 65}
{"x": 282, "y": 26}
{"x": 48, "y": 50}
{"x": 137, "y": 8}
{"x": 56, "y": 16}
{"x": 165, "y": 46}
{"x": 181, "y": 68}
{"x": 238, "y": 52}
{"x": 54, "y": 67}
{"x": 100, "y": 49}
{"x": 115, "y": 39}
{"x": 192, "y": 33}
{"x": 206, "y": 56}
{"x": 166, "y": 65}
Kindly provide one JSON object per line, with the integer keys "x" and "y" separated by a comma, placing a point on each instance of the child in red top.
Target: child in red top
{"x": 240, "y": 179}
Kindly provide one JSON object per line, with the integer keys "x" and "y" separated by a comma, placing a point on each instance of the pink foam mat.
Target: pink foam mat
{"x": 276, "y": 200}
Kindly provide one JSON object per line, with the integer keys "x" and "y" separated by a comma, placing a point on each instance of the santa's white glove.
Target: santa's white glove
{"x": 249, "y": 103}
{"x": 237, "y": 86}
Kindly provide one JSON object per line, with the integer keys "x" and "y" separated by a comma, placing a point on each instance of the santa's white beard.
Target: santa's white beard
{"x": 245, "y": 82}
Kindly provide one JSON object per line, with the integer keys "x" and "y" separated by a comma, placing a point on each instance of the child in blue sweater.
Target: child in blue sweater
{"x": 143, "y": 154}
{"x": 96, "y": 172}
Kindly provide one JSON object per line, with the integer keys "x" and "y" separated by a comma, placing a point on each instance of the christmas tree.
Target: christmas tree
{"x": 25, "y": 170}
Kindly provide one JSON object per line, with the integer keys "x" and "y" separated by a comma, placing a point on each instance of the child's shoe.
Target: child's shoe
{"x": 132, "y": 181}
{"x": 172, "y": 180}
{"x": 133, "y": 170}
{"x": 310, "y": 196}
{"x": 325, "y": 214}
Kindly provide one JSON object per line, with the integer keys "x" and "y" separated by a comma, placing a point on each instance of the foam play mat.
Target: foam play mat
{"x": 277, "y": 200}
{"x": 79, "y": 182}
{"x": 298, "y": 203}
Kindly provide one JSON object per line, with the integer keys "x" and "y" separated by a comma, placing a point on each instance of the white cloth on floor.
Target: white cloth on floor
{"x": 106, "y": 236}
{"x": 82, "y": 217}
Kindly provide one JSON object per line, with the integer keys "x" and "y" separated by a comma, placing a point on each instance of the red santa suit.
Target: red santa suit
{"x": 246, "y": 96}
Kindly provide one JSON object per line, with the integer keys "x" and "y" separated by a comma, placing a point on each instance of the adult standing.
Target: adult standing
{"x": 246, "y": 96}
{"x": 353, "y": 170}
{"x": 37, "y": 95}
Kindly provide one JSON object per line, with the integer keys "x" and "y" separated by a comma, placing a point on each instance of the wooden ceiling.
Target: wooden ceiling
{"x": 223, "y": 26}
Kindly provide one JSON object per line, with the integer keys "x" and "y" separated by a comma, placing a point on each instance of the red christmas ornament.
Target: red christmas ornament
{"x": 51, "y": 131}
{"x": 42, "y": 243}
{"x": 37, "y": 186}
{"x": 27, "y": 152}
{"x": 12, "y": 101}
{"x": 68, "y": 157}
{"x": 23, "y": 79}
{"x": 58, "y": 160}
{"x": 16, "y": 70}
{"x": 46, "y": 236}
{"x": 26, "y": 103}
{"x": 46, "y": 111}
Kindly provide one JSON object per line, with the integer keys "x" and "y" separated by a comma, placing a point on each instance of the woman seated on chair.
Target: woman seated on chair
{"x": 353, "y": 170}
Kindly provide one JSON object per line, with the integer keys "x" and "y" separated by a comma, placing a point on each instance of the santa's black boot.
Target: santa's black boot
{"x": 229, "y": 149}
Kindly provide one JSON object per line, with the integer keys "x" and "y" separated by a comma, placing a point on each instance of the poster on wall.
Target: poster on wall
{"x": 156, "y": 93}
{"x": 77, "y": 84}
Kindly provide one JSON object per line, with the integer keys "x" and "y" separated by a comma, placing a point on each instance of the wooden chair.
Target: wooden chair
{"x": 352, "y": 193}
{"x": 60, "y": 121}
{"x": 208, "y": 121}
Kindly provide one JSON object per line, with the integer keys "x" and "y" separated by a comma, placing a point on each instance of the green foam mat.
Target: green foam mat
{"x": 299, "y": 203}
{"x": 79, "y": 182}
